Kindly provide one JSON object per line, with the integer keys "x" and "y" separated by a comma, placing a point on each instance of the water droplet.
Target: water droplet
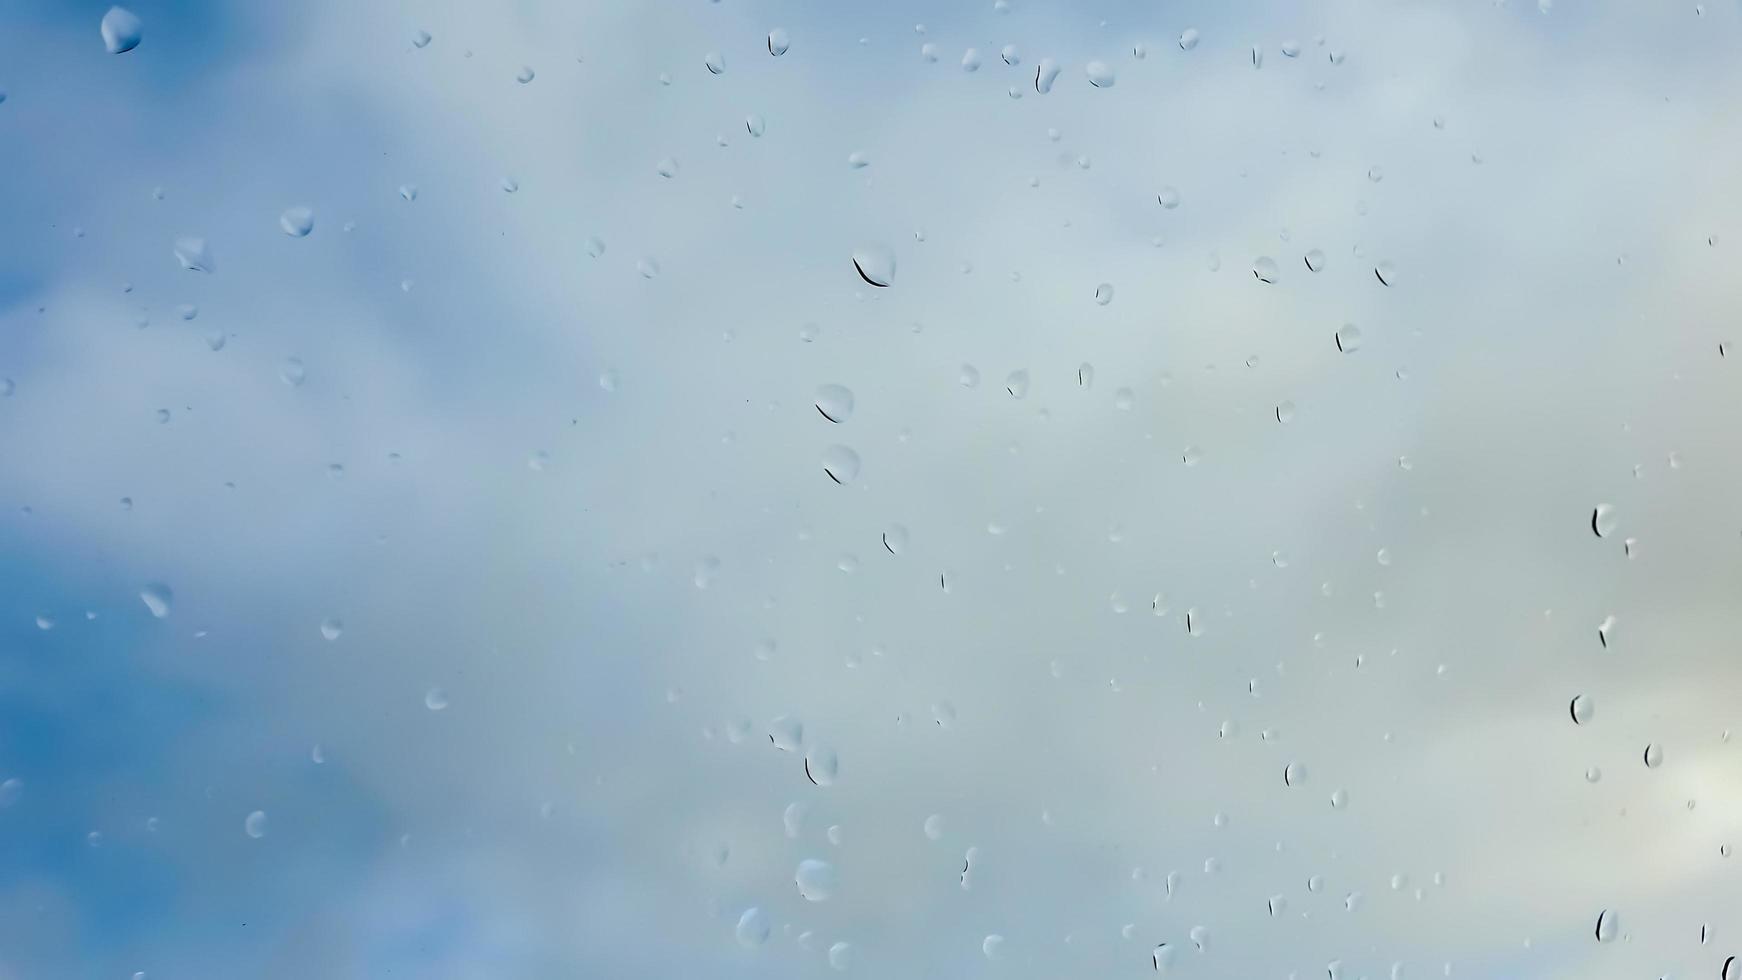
{"x": 755, "y": 125}
{"x": 291, "y": 372}
{"x": 1045, "y": 73}
{"x": 1349, "y": 338}
{"x": 11, "y": 791}
{"x": 1731, "y": 970}
{"x": 992, "y": 946}
{"x": 752, "y": 930}
{"x": 786, "y": 733}
{"x": 1104, "y": 294}
{"x": 1017, "y": 384}
{"x": 1339, "y": 799}
{"x": 857, "y": 160}
{"x": 821, "y": 765}
{"x": 510, "y": 185}
{"x": 526, "y": 75}
{"x": 648, "y": 267}
{"x": 1606, "y": 627}
{"x": 816, "y": 879}
{"x": 1582, "y": 709}
{"x": 1603, "y": 520}
{"x": 929, "y": 52}
{"x": 841, "y": 956}
{"x": 702, "y": 576}
{"x": 666, "y": 167}
{"x": 875, "y": 264}
{"x": 1161, "y": 957}
{"x": 1168, "y": 197}
{"x": 193, "y": 254}
{"x": 1264, "y": 269}
{"x": 331, "y": 628}
{"x": 835, "y": 403}
{"x": 1100, "y": 74}
{"x": 255, "y": 824}
{"x": 1188, "y": 39}
{"x": 297, "y": 222}
{"x": 1653, "y": 756}
{"x": 1606, "y": 926}
{"x": 968, "y": 376}
{"x": 934, "y": 827}
{"x": 1386, "y": 273}
{"x": 778, "y": 42}
{"x": 1293, "y": 774}
{"x": 841, "y": 464}
{"x": 1285, "y": 412}
{"x": 1192, "y": 456}
{"x": 122, "y": 30}
{"x": 1315, "y": 260}
{"x": 1200, "y": 937}
{"x": 157, "y": 598}
{"x": 1124, "y": 399}
{"x": 971, "y": 59}
{"x": 435, "y": 699}
{"x": 1011, "y": 56}
{"x": 421, "y": 39}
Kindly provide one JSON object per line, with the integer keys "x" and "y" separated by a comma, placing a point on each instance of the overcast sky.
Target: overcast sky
{"x": 1237, "y": 407}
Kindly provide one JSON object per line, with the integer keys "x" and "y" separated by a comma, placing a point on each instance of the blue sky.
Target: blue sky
{"x": 574, "y": 498}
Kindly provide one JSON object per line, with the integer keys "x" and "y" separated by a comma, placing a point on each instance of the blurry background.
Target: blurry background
{"x": 429, "y": 548}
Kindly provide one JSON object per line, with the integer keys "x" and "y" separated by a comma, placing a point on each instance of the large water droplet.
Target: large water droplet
{"x": 971, "y": 59}
{"x": 753, "y": 928}
{"x": 157, "y": 598}
{"x": 1582, "y": 709}
{"x": 841, "y": 464}
{"x": 193, "y": 254}
{"x": 122, "y": 30}
{"x": 835, "y": 403}
{"x": 875, "y": 264}
{"x": 816, "y": 879}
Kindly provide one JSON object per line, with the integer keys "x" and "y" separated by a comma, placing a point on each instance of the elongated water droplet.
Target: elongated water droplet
{"x": 1606, "y": 926}
{"x": 971, "y": 60}
{"x": 1045, "y": 73}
